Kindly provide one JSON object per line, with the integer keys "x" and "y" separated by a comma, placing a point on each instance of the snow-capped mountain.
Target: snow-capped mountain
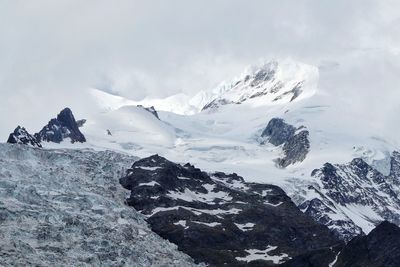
{"x": 268, "y": 83}
{"x": 272, "y": 125}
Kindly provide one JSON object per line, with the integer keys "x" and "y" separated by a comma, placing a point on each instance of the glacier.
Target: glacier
{"x": 65, "y": 207}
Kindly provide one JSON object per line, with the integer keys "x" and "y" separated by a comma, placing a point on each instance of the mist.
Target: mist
{"x": 51, "y": 52}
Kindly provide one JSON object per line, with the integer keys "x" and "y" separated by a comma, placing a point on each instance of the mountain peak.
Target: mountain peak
{"x": 266, "y": 83}
{"x": 64, "y": 126}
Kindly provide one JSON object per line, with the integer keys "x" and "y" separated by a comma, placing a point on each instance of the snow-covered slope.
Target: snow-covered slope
{"x": 66, "y": 208}
{"x": 129, "y": 128}
{"x": 180, "y": 103}
{"x": 229, "y": 138}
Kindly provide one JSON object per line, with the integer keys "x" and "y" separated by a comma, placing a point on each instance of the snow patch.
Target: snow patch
{"x": 213, "y": 224}
{"x": 152, "y": 183}
{"x": 245, "y": 227}
{"x": 256, "y": 254}
{"x": 209, "y": 197}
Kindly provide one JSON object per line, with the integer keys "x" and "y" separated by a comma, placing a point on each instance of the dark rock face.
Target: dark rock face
{"x": 295, "y": 149}
{"x": 278, "y": 131}
{"x": 60, "y": 128}
{"x": 318, "y": 258}
{"x": 220, "y": 219}
{"x": 295, "y": 141}
{"x": 381, "y": 247}
{"x": 21, "y": 136}
{"x": 151, "y": 109}
{"x": 356, "y": 184}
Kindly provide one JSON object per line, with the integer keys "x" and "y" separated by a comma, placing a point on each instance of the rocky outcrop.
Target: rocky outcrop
{"x": 295, "y": 141}
{"x": 295, "y": 149}
{"x": 63, "y": 127}
{"x": 220, "y": 219}
{"x": 151, "y": 109}
{"x": 21, "y": 136}
{"x": 278, "y": 131}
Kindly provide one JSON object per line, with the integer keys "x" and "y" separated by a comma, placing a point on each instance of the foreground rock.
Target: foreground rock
{"x": 21, "y": 136}
{"x": 66, "y": 208}
{"x": 294, "y": 141}
{"x": 63, "y": 127}
{"x": 381, "y": 247}
{"x": 218, "y": 218}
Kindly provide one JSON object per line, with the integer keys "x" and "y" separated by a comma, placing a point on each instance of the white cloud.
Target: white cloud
{"x": 51, "y": 50}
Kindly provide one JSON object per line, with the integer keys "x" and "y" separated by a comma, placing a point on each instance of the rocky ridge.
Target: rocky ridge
{"x": 344, "y": 189}
{"x": 220, "y": 219}
{"x": 151, "y": 109}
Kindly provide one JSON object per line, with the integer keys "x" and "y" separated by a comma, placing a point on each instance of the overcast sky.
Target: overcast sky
{"x": 51, "y": 50}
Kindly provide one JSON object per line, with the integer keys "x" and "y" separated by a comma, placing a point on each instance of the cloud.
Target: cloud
{"x": 51, "y": 50}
